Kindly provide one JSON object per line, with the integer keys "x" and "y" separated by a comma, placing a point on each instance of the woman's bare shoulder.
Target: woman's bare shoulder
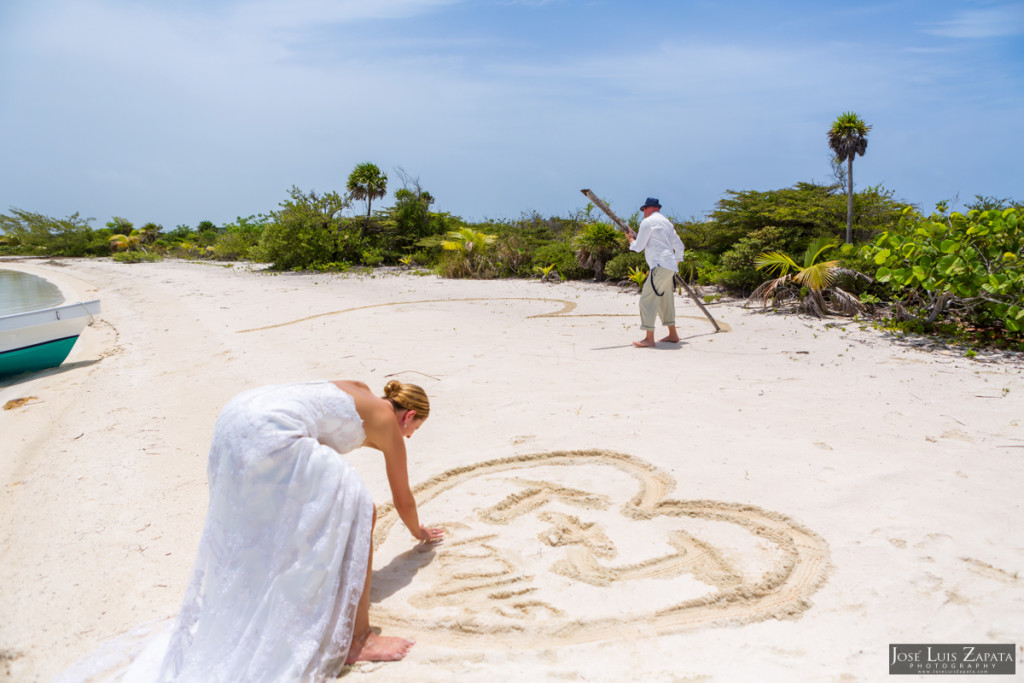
{"x": 351, "y": 386}
{"x": 372, "y": 409}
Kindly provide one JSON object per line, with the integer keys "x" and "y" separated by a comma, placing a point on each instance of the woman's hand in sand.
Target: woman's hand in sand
{"x": 431, "y": 534}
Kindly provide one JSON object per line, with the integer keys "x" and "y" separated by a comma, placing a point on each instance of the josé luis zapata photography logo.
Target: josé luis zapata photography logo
{"x": 946, "y": 659}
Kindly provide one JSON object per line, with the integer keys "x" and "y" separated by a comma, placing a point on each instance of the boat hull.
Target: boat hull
{"x": 36, "y": 357}
{"x": 42, "y": 339}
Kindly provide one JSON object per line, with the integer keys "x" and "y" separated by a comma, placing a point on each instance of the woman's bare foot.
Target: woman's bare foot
{"x": 644, "y": 343}
{"x": 374, "y": 648}
{"x": 670, "y": 339}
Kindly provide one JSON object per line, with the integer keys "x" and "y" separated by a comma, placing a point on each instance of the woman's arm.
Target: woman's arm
{"x": 383, "y": 431}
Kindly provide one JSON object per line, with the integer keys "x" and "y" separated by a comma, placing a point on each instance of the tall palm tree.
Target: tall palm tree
{"x": 848, "y": 137}
{"x": 367, "y": 182}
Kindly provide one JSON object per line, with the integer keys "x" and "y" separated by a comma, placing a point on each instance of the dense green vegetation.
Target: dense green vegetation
{"x": 968, "y": 268}
{"x": 950, "y": 272}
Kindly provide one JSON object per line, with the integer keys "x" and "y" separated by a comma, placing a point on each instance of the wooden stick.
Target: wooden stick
{"x": 625, "y": 228}
{"x": 604, "y": 207}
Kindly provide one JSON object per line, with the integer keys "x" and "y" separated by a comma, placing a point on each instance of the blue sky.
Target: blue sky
{"x": 177, "y": 112}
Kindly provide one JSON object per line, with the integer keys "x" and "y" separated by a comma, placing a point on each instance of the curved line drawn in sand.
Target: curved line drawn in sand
{"x": 564, "y": 312}
{"x": 482, "y": 587}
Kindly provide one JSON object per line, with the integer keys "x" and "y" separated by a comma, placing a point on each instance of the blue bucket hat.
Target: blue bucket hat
{"x": 651, "y": 201}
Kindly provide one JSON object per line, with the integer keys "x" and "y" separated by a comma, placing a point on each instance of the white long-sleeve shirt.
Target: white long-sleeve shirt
{"x": 658, "y": 240}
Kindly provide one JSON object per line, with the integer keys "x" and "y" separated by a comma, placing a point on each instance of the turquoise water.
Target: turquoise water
{"x": 21, "y": 292}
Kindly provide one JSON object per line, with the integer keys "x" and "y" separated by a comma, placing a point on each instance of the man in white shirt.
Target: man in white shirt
{"x": 663, "y": 249}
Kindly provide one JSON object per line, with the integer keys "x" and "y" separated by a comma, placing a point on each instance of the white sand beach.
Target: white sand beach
{"x": 779, "y": 501}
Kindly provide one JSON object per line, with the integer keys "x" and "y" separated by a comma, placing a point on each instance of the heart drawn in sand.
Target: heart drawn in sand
{"x": 577, "y": 546}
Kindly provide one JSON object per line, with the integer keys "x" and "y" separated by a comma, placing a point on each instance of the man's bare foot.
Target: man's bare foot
{"x": 374, "y": 648}
{"x": 671, "y": 340}
{"x": 644, "y": 344}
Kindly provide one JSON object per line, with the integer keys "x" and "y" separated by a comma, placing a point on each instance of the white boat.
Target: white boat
{"x": 36, "y": 340}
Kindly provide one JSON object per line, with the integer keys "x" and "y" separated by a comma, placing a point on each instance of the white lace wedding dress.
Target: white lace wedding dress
{"x": 283, "y": 557}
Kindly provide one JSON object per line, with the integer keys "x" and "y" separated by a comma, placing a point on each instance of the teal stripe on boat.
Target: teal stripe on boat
{"x": 36, "y": 357}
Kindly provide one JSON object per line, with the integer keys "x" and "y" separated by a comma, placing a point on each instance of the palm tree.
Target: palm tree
{"x": 149, "y": 233}
{"x": 367, "y": 182}
{"x": 118, "y": 243}
{"x": 818, "y": 277}
{"x": 469, "y": 246}
{"x": 466, "y": 240}
{"x": 126, "y": 242}
{"x": 848, "y": 137}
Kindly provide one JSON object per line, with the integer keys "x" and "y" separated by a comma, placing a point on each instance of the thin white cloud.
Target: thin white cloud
{"x": 313, "y": 13}
{"x": 995, "y": 22}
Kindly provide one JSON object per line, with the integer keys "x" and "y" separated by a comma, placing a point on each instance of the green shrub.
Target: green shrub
{"x": 700, "y": 266}
{"x": 372, "y": 257}
{"x": 136, "y": 257}
{"x": 619, "y": 266}
{"x": 421, "y": 258}
{"x": 457, "y": 265}
{"x": 564, "y": 258}
{"x": 737, "y": 271}
{"x": 309, "y": 229}
{"x": 596, "y": 244}
{"x": 231, "y": 246}
{"x": 333, "y": 267}
{"x": 967, "y": 267}
{"x": 510, "y": 256}
{"x": 468, "y": 253}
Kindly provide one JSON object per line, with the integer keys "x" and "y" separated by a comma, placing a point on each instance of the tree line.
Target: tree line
{"x": 949, "y": 271}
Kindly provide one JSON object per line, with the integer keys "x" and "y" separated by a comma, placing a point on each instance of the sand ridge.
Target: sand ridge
{"x": 565, "y": 312}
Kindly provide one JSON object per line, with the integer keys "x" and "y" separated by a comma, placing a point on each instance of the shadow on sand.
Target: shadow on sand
{"x": 13, "y": 380}
{"x": 399, "y": 572}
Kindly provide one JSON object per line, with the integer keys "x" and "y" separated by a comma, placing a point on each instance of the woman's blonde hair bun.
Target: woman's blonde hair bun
{"x": 408, "y": 397}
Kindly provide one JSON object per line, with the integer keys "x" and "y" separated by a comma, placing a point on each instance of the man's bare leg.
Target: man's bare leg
{"x": 366, "y": 645}
{"x": 673, "y": 336}
{"x": 647, "y": 341}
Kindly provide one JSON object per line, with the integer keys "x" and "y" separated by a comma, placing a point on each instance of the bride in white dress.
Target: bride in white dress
{"x": 280, "y": 588}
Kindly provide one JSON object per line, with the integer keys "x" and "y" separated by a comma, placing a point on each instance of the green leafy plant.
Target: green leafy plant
{"x": 372, "y": 257}
{"x": 637, "y": 276}
{"x": 510, "y": 255}
{"x": 597, "y": 243}
{"x": 546, "y": 272}
{"x": 561, "y": 254}
{"x": 812, "y": 283}
{"x": 467, "y": 249}
{"x": 970, "y": 267}
{"x": 136, "y": 257}
{"x": 737, "y": 269}
{"x": 35, "y": 233}
{"x": 308, "y": 229}
{"x": 467, "y": 240}
{"x": 618, "y": 266}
